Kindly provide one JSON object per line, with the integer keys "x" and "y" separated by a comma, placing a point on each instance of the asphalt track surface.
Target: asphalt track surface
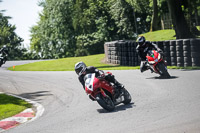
{"x": 160, "y": 105}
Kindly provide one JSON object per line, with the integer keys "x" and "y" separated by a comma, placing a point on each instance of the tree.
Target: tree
{"x": 179, "y": 22}
{"x": 9, "y": 38}
{"x": 54, "y": 36}
{"x": 80, "y": 27}
{"x": 143, "y": 12}
{"x": 155, "y": 24}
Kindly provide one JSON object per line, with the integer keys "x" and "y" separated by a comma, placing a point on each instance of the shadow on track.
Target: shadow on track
{"x": 120, "y": 107}
{"x": 35, "y": 95}
{"x": 172, "y": 77}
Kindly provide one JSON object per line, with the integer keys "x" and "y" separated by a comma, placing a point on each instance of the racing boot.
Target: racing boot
{"x": 118, "y": 89}
{"x": 148, "y": 67}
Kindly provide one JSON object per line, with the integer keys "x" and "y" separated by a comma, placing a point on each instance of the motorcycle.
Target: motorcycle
{"x": 1, "y": 59}
{"x": 104, "y": 92}
{"x": 157, "y": 63}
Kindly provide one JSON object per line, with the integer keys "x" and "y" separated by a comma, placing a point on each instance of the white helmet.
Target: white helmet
{"x": 80, "y": 67}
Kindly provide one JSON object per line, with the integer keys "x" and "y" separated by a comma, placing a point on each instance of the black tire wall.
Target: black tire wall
{"x": 185, "y": 52}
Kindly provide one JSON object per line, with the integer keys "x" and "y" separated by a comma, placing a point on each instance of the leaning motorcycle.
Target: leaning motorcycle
{"x": 104, "y": 92}
{"x": 1, "y": 59}
{"x": 157, "y": 63}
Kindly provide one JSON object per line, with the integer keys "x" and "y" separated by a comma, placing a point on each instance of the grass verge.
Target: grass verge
{"x": 10, "y": 106}
{"x": 67, "y": 64}
{"x": 160, "y": 35}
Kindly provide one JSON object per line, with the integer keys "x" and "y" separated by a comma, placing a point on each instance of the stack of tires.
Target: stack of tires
{"x": 173, "y": 52}
{"x": 187, "y": 53}
{"x": 195, "y": 53}
{"x": 131, "y": 53}
{"x": 113, "y": 53}
{"x": 179, "y": 53}
{"x": 124, "y": 54}
{"x": 167, "y": 52}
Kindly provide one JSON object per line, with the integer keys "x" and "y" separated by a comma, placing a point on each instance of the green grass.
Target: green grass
{"x": 198, "y": 27}
{"x": 10, "y": 106}
{"x": 160, "y": 35}
{"x": 67, "y": 64}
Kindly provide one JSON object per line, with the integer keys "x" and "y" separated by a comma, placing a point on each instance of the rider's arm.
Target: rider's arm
{"x": 92, "y": 69}
{"x": 156, "y": 47}
{"x": 139, "y": 51}
{"x": 82, "y": 81}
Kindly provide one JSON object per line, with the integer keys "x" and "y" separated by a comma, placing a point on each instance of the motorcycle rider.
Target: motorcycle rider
{"x": 81, "y": 70}
{"x": 4, "y": 52}
{"x": 142, "y": 49}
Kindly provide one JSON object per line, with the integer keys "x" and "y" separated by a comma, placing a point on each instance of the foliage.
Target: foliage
{"x": 69, "y": 28}
{"x": 9, "y": 38}
{"x": 76, "y": 28}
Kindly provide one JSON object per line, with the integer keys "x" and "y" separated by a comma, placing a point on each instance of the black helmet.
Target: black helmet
{"x": 80, "y": 67}
{"x": 141, "y": 40}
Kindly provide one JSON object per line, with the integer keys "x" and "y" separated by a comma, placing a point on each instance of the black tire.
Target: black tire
{"x": 105, "y": 102}
{"x": 180, "y": 59}
{"x": 172, "y": 48}
{"x": 179, "y": 53}
{"x": 187, "y": 59}
{"x": 162, "y": 70}
{"x": 173, "y": 63}
{"x": 173, "y": 54}
{"x": 186, "y": 53}
{"x": 195, "y": 54}
{"x": 127, "y": 97}
{"x": 174, "y": 59}
{"x": 179, "y": 48}
{"x": 186, "y": 48}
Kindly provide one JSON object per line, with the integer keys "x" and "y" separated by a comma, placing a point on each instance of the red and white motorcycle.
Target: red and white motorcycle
{"x": 157, "y": 63}
{"x": 103, "y": 92}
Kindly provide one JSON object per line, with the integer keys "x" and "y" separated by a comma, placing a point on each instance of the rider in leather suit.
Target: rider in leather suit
{"x": 81, "y": 69}
{"x": 142, "y": 49}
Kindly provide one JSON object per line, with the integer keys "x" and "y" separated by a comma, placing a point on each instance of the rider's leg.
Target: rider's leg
{"x": 143, "y": 66}
{"x": 111, "y": 78}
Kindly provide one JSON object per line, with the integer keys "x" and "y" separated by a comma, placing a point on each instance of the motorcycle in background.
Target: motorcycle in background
{"x": 104, "y": 92}
{"x": 157, "y": 63}
{"x": 1, "y": 59}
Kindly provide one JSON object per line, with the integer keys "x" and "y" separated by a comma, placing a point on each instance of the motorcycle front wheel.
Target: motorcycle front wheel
{"x": 127, "y": 97}
{"x": 163, "y": 70}
{"x": 105, "y": 102}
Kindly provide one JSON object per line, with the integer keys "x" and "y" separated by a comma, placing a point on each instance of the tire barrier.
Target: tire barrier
{"x": 166, "y": 51}
{"x": 187, "y": 53}
{"x": 195, "y": 52}
{"x": 179, "y": 53}
{"x": 173, "y": 53}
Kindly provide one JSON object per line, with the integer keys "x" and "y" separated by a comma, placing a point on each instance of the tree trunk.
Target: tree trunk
{"x": 155, "y": 24}
{"x": 181, "y": 27}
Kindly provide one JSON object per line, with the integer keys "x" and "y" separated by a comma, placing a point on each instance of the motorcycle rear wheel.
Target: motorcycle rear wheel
{"x": 105, "y": 102}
